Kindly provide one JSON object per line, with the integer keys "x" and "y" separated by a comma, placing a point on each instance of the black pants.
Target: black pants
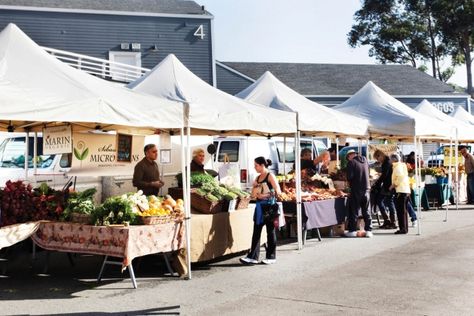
{"x": 271, "y": 241}
{"x": 402, "y": 214}
{"x": 359, "y": 201}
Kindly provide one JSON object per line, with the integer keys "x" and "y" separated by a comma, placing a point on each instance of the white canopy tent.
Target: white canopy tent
{"x": 209, "y": 110}
{"x": 463, "y": 132}
{"x": 313, "y": 118}
{"x": 462, "y": 115}
{"x": 36, "y": 88}
{"x": 390, "y": 118}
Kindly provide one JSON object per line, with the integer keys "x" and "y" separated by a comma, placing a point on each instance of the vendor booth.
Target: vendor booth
{"x": 38, "y": 92}
{"x": 322, "y": 207}
{"x": 209, "y": 111}
{"x": 390, "y": 119}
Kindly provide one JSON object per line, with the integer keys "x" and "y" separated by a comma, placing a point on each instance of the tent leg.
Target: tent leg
{"x": 188, "y": 197}
{"x": 299, "y": 221}
{"x": 418, "y": 184}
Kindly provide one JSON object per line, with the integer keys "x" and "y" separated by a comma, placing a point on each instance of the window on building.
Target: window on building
{"x": 126, "y": 74}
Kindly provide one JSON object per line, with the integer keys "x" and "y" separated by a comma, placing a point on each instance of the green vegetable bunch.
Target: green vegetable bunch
{"x": 115, "y": 210}
{"x": 80, "y": 202}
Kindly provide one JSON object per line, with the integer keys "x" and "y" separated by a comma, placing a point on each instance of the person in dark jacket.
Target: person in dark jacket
{"x": 384, "y": 195}
{"x": 358, "y": 177}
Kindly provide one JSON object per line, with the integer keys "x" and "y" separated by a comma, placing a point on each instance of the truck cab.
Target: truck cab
{"x": 436, "y": 158}
{"x": 50, "y": 169}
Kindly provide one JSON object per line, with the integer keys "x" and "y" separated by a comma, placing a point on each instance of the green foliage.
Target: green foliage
{"x": 402, "y": 31}
{"x": 230, "y": 196}
{"x": 81, "y": 202}
{"x": 211, "y": 198}
{"x": 115, "y": 210}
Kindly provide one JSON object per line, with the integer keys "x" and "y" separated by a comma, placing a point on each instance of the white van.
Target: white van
{"x": 51, "y": 169}
{"x": 242, "y": 151}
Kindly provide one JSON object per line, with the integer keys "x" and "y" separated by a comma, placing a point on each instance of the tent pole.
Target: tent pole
{"x": 456, "y": 169}
{"x": 27, "y": 153}
{"x": 284, "y": 156}
{"x": 299, "y": 221}
{"x": 247, "y": 178}
{"x": 450, "y": 177}
{"x": 337, "y": 151}
{"x": 418, "y": 185}
{"x": 35, "y": 153}
{"x": 185, "y": 196}
{"x": 188, "y": 192}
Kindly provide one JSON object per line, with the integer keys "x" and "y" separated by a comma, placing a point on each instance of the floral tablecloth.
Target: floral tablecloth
{"x": 115, "y": 241}
{"x": 10, "y": 235}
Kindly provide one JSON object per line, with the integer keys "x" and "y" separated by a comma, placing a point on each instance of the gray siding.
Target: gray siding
{"x": 230, "y": 82}
{"x": 95, "y": 35}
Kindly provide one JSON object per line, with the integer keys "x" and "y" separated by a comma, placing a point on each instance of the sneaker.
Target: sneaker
{"x": 269, "y": 261}
{"x": 414, "y": 223}
{"x": 351, "y": 234}
{"x": 369, "y": 234}
{"x": 247, "y": 260}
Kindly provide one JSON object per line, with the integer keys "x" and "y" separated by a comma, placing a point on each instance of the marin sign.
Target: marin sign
{"x": 57, "y": 140}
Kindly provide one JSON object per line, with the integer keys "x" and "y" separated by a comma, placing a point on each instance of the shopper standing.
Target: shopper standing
{"x": 469, "y": 168}
{"x": 265, "y": 187}
{"x": 358, "y": 177}
{"x": 401, "y": 184}
{"x": 382, "y": 186}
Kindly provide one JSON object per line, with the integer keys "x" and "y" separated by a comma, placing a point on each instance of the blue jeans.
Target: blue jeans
{"x": 411, "y": 210}
{"x": 385, "y": 202}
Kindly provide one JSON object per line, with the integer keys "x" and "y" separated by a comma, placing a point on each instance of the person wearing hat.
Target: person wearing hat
{"x": 358, "y": 177}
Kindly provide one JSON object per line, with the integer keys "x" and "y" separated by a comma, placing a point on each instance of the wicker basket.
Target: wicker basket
{"x": 153, "y": 220}
{"x": 203, "y": 205}
{"x": 242, "y": 203}
{"x": 81, "y": 218}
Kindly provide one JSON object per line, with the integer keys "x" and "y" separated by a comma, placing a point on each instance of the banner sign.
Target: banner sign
{"x": 106, "y": 155}
{"x": 57, "y": 140}
{"x": 450, "y": 158}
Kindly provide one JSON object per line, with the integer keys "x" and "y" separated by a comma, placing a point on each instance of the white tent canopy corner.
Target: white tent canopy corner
{"x": 390, "y": 118}
{"x": 313, "y": 118}
{"x": 37, "y": 88}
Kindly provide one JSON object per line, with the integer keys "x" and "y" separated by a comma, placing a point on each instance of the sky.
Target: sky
{"x": 306, "y": 31}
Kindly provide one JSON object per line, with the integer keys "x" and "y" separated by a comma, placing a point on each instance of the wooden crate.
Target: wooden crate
{"x": 202, "y": 205}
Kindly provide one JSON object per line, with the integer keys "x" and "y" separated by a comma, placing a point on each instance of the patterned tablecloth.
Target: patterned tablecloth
{"x": 115, "y": 241}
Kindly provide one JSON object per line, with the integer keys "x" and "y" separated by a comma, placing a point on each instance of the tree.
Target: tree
{"x": 456, "y": 20}
{"x": 400, "y": 31}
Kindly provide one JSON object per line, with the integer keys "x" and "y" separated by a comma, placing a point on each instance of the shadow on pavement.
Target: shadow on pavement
{"x": 168, "y": 310}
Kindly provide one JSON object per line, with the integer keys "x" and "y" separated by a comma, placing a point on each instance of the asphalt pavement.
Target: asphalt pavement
{"x": 427, "y": 274}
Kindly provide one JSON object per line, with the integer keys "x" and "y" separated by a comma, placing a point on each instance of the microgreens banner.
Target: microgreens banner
{"x": 105, "y": 155}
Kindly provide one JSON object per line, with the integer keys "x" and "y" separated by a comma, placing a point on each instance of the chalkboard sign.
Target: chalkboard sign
{"x": 124, "y": 148}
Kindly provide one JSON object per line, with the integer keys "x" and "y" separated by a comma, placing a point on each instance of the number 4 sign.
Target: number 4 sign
{"x": 200, "y": 32}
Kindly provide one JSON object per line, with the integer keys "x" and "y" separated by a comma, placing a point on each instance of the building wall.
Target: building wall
{"x": 96, "y": 34}
{"x": 229, "y": 81}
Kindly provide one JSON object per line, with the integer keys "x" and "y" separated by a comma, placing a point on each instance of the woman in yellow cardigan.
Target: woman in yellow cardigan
{"x": 401, "y": 184}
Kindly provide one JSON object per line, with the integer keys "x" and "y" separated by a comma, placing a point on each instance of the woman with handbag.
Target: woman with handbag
{"x": 264, "y": 189}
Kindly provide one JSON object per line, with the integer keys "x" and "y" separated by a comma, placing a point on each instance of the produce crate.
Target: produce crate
{"x": 154, "y": 220}
{"x": 81, "y": 218}
{"x": 242, "y": 203}
{"x": 202, "y": 205}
